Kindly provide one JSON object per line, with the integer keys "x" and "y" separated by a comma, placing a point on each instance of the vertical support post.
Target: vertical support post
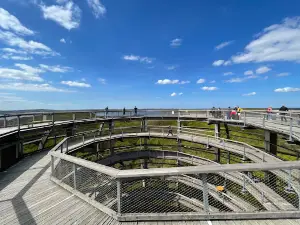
{"x": 291, "y": 130}
{"x": 5, "y": 122}
{"x": 217, "y": 130}
{"x": 67, "y": 146}
{"x": 228, "y": 157}
{"x": 90, "y": 115}
{"x": 74, "y": 116}
{"x": 264, "y": 118}
{"x": 83, "y": 139}
{"x": 52, "y": 165}
{"x": 52, "y": 119}
{"x": 244, "y": 154}
{"x": 205, "y": 192}
{"x": 119, "y": 195}
{"x": 244, "y": 184}
{"x": 74, "y": 178}
{"x": 289, "y": 185}
{"x": 244, "y": 119}
{"x": 19, "y": 123}
{"x": 178, "y": 126}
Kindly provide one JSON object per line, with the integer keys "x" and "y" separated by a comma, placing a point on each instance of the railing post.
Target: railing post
{"x": 119, "y": 194}
{"x": 244, "y": 154}
{"x": 74, "y": 116}
{"x": 291, "y": 129}
{"x": 5, "y": 122}
{"x": 205, "y": 192}
{"x": 52, "y": 165}
{"x": 264, "y": 118}
{"x": 74, "y": 178}
{"x": 244, "y": 184}
{"x": 244, "y": 119}
{"x": 67, "y": 147}
{"x": 52, "y": 119}
{"x": 83, "y": 139}
{"x": 289, "y": 186}
{"x": 19, "y": 125}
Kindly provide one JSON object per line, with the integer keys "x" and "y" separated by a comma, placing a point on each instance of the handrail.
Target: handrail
{"x": 134, "y": 173}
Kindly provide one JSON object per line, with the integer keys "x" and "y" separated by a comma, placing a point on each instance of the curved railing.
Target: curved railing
{"x": 184, "y": 192}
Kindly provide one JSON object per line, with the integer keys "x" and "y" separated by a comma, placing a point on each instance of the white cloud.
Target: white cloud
{"x": 15, "y": 51}
{"x": 218, "y": 62}
{"x": 250, "y": 94}
{"x": 56, "y": 68}
{"x": 173, "y": 94}
{"x": 138, "y": 58}
{"x": 180, "y": 93}
{"x": 283, "y": 74}
{"x": 226, "y": 63}
{"x": 16, "y": 74}
{"x": 248, "y": 72}
{"x": 29, "y": 69}
{"x": 209, "y": 88}
{"x": 10, "y": 22}
{"x": 31, "y": 87}
{"x": 68, "y": 15}
{"x": 278, "y": 42}
{"x": 63, "y": 40}
{"x": 287, "y": 89}
{"x": 75, "y": 84}
{"x": 263, "y": 69}
{"x": 171, "y": 67}
{"x": 32, "y": 47}
{"x": 97, "y": 7}
{"x": 167, "y": 81}
{"x": 200, "y": 81}
{"x": 223, "y": 45}
{"x": 176, "y": 42}
{"x": 16, "y": 57}
{"x": 102, "y": 81}
{"x": 184, "y": 82}
{"x": 228, "y": 73}
{"x": 212, "y": 82}
{"x": 239, "y": 79}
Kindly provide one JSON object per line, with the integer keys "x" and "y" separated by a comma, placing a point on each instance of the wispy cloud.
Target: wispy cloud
{"x": 102, "y": 80}
{"x": 63, "y": 41}
{"x": 250, "y": 94}
{"x": 218, "y": 62}
{"x": 223, "y": 45}
{"x": 97, "y": 8}
{"x": 180, "y": 93}
{"x": 56, "y": 68}
{"x": 287, "y": 89}
{"x": 31, "y": 87}
{"x": 167, "y": 81}
{"x": 212, "y": 82}
{"x": 278, "y": 42}
{"x": 67, "y": 15}
{"x": 76, "y": 84}
{"x": 283, "y": 74}
{"x": 173, "y": 67}
{"x": 176, "y": 42}
{"x": 173, "y": 94}
{"x": 11, "y": 23}
{"x": 263, "y": 69}
{"x": 143, "y": 59}
{"x": 248, "y": 72}
{"x": 209, "y": 88}
{"x": 201, "y": 81}
{"x": 228, "y": 73}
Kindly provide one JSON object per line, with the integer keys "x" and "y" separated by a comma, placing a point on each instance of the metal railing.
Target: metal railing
{"x": 288, "y": 123}
{"x": 210, "y": 192}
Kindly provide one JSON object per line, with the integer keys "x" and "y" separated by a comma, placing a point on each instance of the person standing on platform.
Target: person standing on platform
{"x": 170, "y": 130}
{"x": 239, "y": 111}
{"x": 269, "y": 113}
{"x": 106, "y": 111}
{"x": 283, "y": 110}
{"x": 124, "y": 111}
{"x": 135, "y": 110}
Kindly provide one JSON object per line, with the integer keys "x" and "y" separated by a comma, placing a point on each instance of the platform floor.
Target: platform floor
{"x": 27, "y": 196}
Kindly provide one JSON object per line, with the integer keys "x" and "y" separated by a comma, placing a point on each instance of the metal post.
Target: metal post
{"x": 264, "y": 118}
{"x": 244, "y": 119}
{"x": 90, "y": 115}
{"x": 19, "y": 125}
{"x": 207, "y": 146}
{"x": 244, "y": 155}
{"x": 74, "y": 170}
{"x": 289, "y": 187}
{"x": 67, "y": 147}
{"x": 52, "y": 165}
{"x": 119, "y": 202}
{"x": 52, "y": 119}
{"x": 5, "y": 122}
{"x": 82, "y": 138}
{"x": 74, "y": 116}
{"x": 205, "y": 192}
{"x": 291, "y": 130}
{"x": 228, "y": 157}
{"x": 244, "y": 184}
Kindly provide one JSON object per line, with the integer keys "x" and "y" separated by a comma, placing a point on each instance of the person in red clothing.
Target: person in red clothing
{"x": 269, "y": 112}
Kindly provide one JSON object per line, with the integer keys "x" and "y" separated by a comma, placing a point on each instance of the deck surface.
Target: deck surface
{"x": 27, "y": 196}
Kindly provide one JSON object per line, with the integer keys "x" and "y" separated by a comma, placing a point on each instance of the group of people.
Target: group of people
{"x": 232, "y": 113}
{"x": 135, "y": 109}
{"x": 283, "y": 110}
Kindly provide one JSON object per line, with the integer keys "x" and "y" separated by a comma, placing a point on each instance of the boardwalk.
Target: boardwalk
{"x": 27, "y": 196}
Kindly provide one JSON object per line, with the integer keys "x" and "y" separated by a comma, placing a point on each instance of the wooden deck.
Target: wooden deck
{"x": 27, "y": 196}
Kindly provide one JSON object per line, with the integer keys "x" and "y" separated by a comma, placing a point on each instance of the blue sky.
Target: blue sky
{"x": 83, "y": 54}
